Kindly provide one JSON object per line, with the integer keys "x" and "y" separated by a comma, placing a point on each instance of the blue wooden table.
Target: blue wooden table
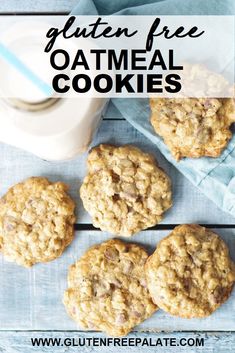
{"x": 30, "y": 300}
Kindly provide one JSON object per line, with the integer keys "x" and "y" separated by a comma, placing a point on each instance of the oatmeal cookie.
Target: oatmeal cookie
{"x": 107, "y": 288}
{"x": 124, "y": 191}
{"x": 193, "y": 127}
{"x": 36, "y": 221}
{"x": 190, "y": 274}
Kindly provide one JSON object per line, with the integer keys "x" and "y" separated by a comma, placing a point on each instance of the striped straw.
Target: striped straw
{"x": 12, "y": 59}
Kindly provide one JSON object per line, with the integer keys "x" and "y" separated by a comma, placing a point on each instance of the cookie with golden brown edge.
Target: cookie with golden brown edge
{"x": 193, "y": 127}
{"x": 190, "y": 274}
{"x": 36, "y": 221}
{"x": 107, "y": 288}
{"x": 125, "y": 191}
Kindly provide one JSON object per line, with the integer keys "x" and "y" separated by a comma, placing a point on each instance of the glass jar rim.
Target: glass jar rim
{"x": 31, "y": 106}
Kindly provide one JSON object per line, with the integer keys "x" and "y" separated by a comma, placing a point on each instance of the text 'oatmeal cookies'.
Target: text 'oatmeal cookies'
{"x": 190, "y": 274}
{"x": 36, "y": 221}
{"x": 124, "y": 191}
{"x": 193, "y": 127}
{"x": 107, "y": 288}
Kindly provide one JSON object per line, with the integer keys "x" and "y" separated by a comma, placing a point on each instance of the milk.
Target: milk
{"x": 57, "y": 136}
{"x": 52, "y": 128}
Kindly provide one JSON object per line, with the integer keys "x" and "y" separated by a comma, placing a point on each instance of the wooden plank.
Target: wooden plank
{"x": 20, "y": 342}
{"x": 14, "y": 6}
{"x": 31, "y": 299}
{"x": 190, "y": 205}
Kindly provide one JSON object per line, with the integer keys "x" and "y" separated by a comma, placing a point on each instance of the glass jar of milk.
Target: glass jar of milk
{"x": 52, "y": 128}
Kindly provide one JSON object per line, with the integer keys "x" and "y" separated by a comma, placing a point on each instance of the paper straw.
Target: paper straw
{"x": 12, "y": 59}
